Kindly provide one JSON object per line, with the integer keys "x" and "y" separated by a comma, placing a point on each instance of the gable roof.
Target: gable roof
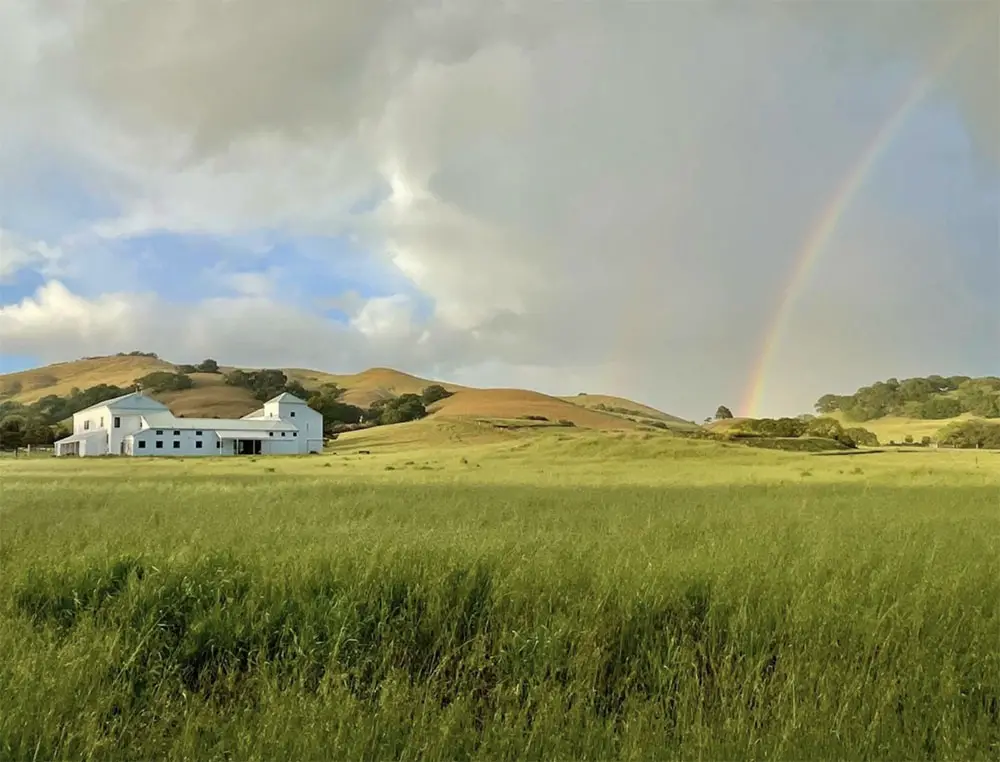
{"x": 167, "y": 420}
{"x": 130, "y": 401}
{"x": 286, "y": 397}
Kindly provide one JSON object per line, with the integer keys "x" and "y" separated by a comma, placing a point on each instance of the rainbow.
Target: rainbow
{"x": 826, "y": 225}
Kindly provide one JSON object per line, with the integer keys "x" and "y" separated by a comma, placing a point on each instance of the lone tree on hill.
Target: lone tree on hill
{"x": 723, "y": 412}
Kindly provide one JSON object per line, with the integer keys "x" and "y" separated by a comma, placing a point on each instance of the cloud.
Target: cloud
{"x": 602, "y": 195}
{"x": 17, "y": 254}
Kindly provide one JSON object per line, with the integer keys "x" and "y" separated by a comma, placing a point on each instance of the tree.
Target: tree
{"x": 936, "y": 408}
{"x": 970, "y": 434}
{"x": 12, "y": 432}
{"x": 825, "y": 427}
{"x": 335, "y": 413}
{"x": 406, "y": 407}
{"x": 862, "y": 437}
{"x": 434, "y": 393}
{"x": 165, "y": 381}
{"x": 208, "y": 366}
{"x": 723, "y": 413}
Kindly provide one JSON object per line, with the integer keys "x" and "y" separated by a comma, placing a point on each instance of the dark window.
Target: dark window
{"x": 292, "y": 414}
{"x": 177, "y": 433}
{"x": 218, "y": 445}
{"x": 159, "y": 432}
{"x": 118, "y": 422}
{"x": 142, "y": 445}
{"x": 282, "y": 433}
{"x": 270, "y": 433}
{"x": 177, "y": 445}
{"x": 159, "y": 444}
{"x": 295, "y": 433}
{"x": 86, "y": 424}
{"x": 197, "y": 445}
{"x": 197, "y": 433}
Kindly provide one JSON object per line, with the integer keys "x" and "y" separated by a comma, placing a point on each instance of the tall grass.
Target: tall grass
{"x": 245, "y": 616}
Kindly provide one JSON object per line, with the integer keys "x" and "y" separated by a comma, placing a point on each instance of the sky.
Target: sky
{"x": 571, "y": 197}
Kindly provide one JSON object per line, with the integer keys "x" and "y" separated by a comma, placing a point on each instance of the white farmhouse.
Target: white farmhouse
{"x": 135, "y": 424}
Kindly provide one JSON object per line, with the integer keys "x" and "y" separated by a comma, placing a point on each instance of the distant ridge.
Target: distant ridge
{"x": 210, "y": 396}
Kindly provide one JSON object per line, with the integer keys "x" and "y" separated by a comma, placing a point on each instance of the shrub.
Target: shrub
{"x": 434, "y": 393}
{"x": 165, "y": 381}
{"x": 971, "y": 434}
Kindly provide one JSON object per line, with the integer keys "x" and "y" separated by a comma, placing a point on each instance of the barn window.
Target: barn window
{"x": 292, "y": 414}
{"x": 118, "y": 422}
{"x": 177, "y": 433}
{"x": 197, "y": 445}
{"x": 218, "y": 445}
{"x": 295, "y": 433}
{"x": 142, "y": 445}
{"x": 177, "y": 445}
{"x": 159, "y": 432}
{"x": 159, "y": 444}
{"x": 197, "y": 433}
{"x": 102, "y": 421}
{"x": 86, "y": 425}
{"x": 270, "y": 433}
{"x": 282, "y": 433}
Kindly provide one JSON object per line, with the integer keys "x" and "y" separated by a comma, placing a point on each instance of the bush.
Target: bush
{"x": 165, "y": 381}
{"x": 971, "y": 434}
{"x": 406, "y": 407}
{"x": 434, "y": 393}
{"x": 861, "y": 436}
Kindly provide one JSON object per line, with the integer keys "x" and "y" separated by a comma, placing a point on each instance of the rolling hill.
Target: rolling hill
{"x": 210, "y": 396}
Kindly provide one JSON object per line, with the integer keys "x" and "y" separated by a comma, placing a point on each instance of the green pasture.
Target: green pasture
{"x": 459, "y": 592}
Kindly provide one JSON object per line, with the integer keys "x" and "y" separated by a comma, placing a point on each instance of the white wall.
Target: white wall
{"x": 276, "y": 446}
{"x": 308, "y": 422}
{"x": 129, "y": 422}
{"x": 94, "y": 444}
{"x": 93, "y": 417}
{"x": 186, "y": 442}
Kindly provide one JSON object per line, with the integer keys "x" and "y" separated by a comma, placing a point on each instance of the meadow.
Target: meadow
{"x": 459, "y": 593}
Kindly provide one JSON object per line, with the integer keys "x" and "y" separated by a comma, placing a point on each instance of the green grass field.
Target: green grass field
{"x": 465, "y": 593}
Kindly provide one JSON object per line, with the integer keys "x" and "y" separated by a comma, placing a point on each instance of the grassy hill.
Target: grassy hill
{"x": 897, "y": 428}
{"x": 621, "y": 407}
{"x": 210, "y": 396}
{"x": 59, "y": 378}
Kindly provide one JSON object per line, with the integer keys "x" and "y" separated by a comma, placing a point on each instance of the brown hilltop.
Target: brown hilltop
{"x": 212, "y": 397}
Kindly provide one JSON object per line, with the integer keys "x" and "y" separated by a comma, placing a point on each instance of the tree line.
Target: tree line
{"x": 932, "y": 398}
{"x": 42, "y": 422}
{"x": 792, "y": 428}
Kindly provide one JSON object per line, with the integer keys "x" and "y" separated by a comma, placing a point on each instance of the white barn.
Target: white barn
{"x": 135, "y": 424}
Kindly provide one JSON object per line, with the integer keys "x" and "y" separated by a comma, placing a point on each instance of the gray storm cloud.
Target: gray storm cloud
{"x": 614, "y": 188}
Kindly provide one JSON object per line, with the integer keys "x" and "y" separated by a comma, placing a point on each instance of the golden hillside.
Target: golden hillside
{"x": 370, "y": 385}
{"x": 59, "y": 378}
{"x": 212, "y": 397}
{"x": 518, "y": 403}
{"x": 619, "y": 406}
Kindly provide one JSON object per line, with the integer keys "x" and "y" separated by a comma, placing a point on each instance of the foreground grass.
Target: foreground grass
{"x": 584, "y": 597}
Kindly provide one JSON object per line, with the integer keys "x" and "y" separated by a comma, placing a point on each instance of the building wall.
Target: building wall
{"x": 277, "y": 446}
{"x": 128, "y": 423}
{"x": 176, "y": 442}
{"x": 90, "y": 420}
{"x": 304, "y": 418}
{"x": 94, "y": 444}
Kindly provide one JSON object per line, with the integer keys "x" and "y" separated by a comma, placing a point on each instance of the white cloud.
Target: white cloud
{"x": 17, "y": 254}
{"x": 606, "y": 194}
